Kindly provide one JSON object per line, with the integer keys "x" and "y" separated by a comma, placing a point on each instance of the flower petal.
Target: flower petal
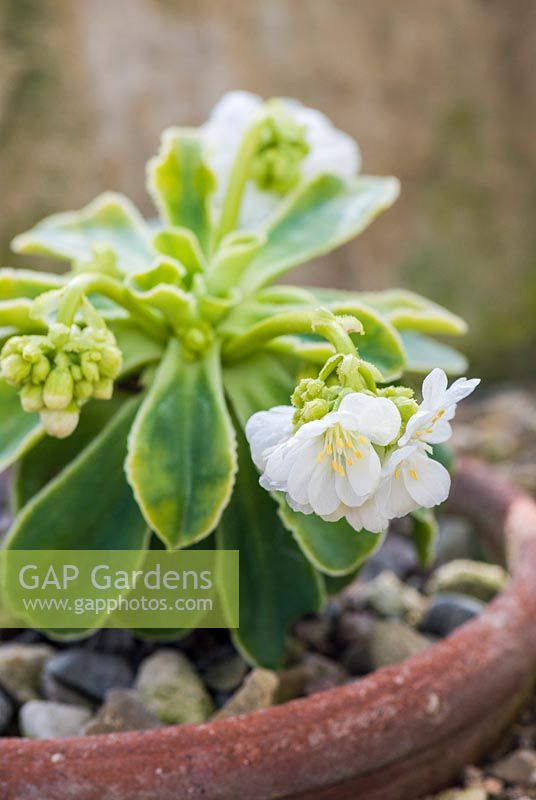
{"x": 367, "y": 517}
{"x": 461, "y": 389}
{"x": 433, "y": 389}
{"x": 322, "y": 494}
{"x": 377, "y": 418}
{"x": 364, "y": 472}
{"x": 265, "y": 429}
{"x": 426, "y": 480}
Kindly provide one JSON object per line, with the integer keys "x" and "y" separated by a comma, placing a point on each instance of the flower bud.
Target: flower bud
{"x": 406, "y": 406}
{"x": 31, "y": 398}
{"x": 83, "y": 390}
{"x": 61, "y": 424}
{"x": 111, "y": 362}
{"x": 314, "y": 409}
{"x": 90, "y": 370}
{"x": 41, "y": 370}
{"x": 58, "y": 391}
{"x": 103, "y": 389}
{"x": 15, "y": 369}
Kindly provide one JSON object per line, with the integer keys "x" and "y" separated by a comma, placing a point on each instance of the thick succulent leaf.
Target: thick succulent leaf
{"x": 181, "y": 454}
{"x": 317, "y": 218}
{"x": 26, "y": 283}
{"x": 19, "y": 431}
{"x": 332, "y": 547}
{"x": 424, "y": 533}
{"x": 257, "y": 383}
{"x": 410, "y": 311}
{"x": 49, "y": 456}
{"x": 137, "y": 348}
{"x": 181, "y": 183}
{"x": 89, "y": 505}
{"x": 17, "y": 314}
{"x": 424, "y": 353}
{"x": 109, "y": 221}
{"x": 277, "y": 583}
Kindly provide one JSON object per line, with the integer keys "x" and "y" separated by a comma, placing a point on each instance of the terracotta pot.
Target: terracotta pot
{"x": 399, "y": 733}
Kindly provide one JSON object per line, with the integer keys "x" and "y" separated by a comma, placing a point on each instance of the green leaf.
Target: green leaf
{"x": 137, "y": 348}
{"x": 181, "y": 454}
{"x": 26, "y": 283}
{"x": 410, "y": 311}
{"x": 424, "y": 353}
{"x": 424, "y": 533}
{"x": 38, "y": 467}
{"x": 19, "y": 431}
{"x": 16, "y": 314}
{"x": 334, "y": 548}
{"x": 89, "y": 505}
{"x": 180, "y": 182}
{"x": 257, "y": 383}
{"x": 277, "y": 583}
{"x": 110, "y": 220}
{"x": 380, "y": 343}
{"x": 318, "y": 217}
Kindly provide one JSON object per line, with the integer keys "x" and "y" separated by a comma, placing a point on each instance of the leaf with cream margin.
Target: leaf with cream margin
{"x": 315, "y": 219}
{"x": 181, "y": 183}
{"x": 110, "y": 221}
{"x": 181, "y": 452}
{"x": 19, "y": 431}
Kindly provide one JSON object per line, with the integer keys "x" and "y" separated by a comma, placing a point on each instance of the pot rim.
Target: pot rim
{"x": 390, "y": 734}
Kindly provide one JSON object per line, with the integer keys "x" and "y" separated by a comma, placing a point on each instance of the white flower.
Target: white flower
{"x": 329, "y": 150}
{"x": 411, "y": 478}
{"x": 431, "y": 423}
{"x": 265, "y": 429}
{"x": 329, "y": 466}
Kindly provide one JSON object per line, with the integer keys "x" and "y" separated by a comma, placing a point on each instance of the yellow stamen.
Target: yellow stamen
{"x": 320, "y": 457}
{"x": 397, "y": 474}
{"x": 362, "y": 440}
{"x": 413, "y": 474}
{"x": 349, "y": 462}
{"x": 358, "y": 453}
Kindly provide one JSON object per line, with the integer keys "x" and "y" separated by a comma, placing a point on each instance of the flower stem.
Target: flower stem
{"x": 238, "y": 178}
{"x": 288, "y": 323}
{"x": 89, "y": 282}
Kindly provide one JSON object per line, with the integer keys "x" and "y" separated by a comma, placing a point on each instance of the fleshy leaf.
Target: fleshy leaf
{"x": 49, "y": 456}
{"x": 411, "y": 311}
{"x": 89, "y": 505}
{"x": 332, "y": 547}
{"x": 424, "y": 353}
{"x": 26, "y": 283}
{"x": 110, "y": 220}
{"x": 318, "y": 217}
{"x": 380, "y": 343}
{"x": 181, "y": 455}
{"x": 181, "y": 183}
{"x": 257, "y": 383}
{"x": 277, "y": 583}
{"x": 17, "y": 314}
{"x": 19, "y": 431}
{"x": 424, "y": 534}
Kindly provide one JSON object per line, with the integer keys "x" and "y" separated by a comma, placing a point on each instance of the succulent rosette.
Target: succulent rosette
{"x": 134, "y": 377}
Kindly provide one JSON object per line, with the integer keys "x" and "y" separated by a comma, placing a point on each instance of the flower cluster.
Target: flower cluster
{"x": 295, "y": 143}
{"x": 368, "y": 459}
{"x": 58, "y": 372}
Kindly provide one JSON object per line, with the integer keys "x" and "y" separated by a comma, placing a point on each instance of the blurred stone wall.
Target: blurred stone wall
{"x": 440, "y": 93}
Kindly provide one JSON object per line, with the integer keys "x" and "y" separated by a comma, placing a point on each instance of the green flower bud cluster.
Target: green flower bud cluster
{"x": 58, "y": 372}
{"x": 277, "y": 164}
{"x": 402, "y": 397}
{"x": 312, "y": 400}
